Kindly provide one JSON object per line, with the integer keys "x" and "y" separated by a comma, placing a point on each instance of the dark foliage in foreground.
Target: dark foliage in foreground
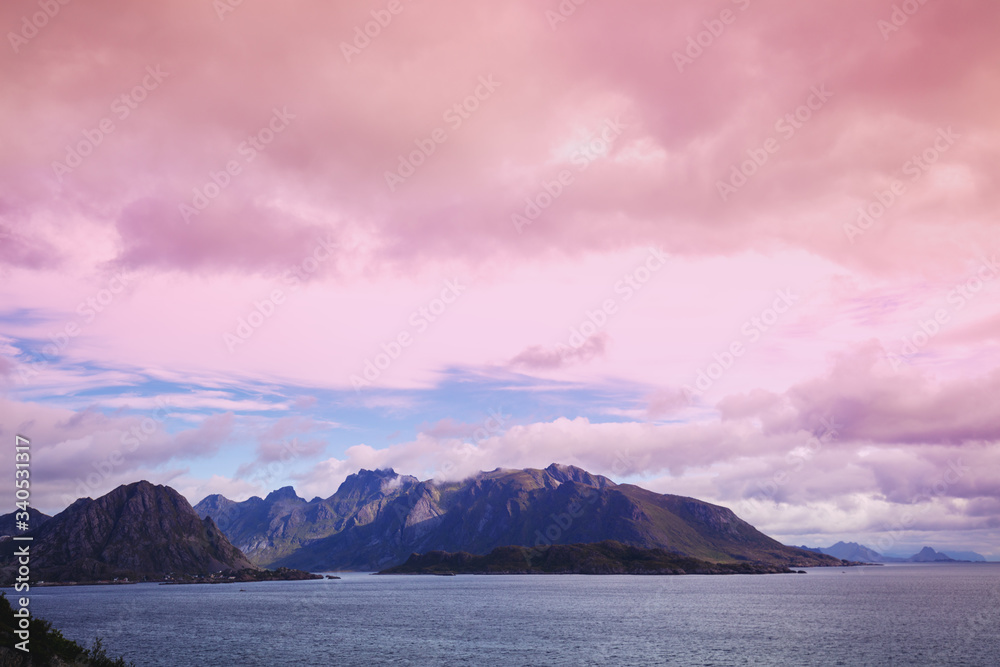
{"x": 48, "y": 646}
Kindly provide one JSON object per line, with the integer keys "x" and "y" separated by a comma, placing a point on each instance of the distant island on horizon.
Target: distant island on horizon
{"x": 560, "y": 519}
{"x": 856, "y": 552}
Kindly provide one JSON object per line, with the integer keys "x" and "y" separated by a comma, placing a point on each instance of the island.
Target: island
{"x": 245, "y": 575}
{"x": 607, "y": 557}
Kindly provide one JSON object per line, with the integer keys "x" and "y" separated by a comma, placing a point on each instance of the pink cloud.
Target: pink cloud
{"x": 871, "y": 402}
{"x": 655, "y": 185}
{"x": 88, "y": 451}
{"x": 537, "y": 357}
{"x": 592, "y": 132}
{"x": 155, "y": 234}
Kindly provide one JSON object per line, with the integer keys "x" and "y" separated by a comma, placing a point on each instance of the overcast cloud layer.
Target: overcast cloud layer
{"x": 745, "y": 251}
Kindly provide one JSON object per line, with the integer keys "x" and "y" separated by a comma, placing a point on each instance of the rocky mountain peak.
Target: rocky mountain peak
{"x": 213, "y": 503}
{"x": 137, "y": 530}
{"x": 284, "y": 493}
{"x": 568, "y": 473}
{"x": 366, "y": 483}
{"x": 377, "y": 518}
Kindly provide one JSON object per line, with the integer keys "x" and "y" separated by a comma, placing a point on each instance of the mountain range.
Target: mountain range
{"x": 377, "y": 519}
{"x": 136, "y": 531}
{"x": 857, "y": 552}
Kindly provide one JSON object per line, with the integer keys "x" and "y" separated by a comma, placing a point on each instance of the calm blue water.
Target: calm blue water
{"x": 892, "y": 615}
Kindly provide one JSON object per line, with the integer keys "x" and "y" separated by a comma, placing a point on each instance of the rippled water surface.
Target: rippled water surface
{"x": 891, "y": 615}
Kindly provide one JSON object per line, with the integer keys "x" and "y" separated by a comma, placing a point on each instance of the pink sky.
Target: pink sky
{"x": 559, "y": 176}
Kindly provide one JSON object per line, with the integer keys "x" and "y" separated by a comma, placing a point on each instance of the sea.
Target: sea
{"x": 900, "y": 614}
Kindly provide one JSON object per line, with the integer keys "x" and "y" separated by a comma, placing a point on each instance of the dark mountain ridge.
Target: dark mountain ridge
{"x": 376, "y": 519}
{"x": 136, "y": 531}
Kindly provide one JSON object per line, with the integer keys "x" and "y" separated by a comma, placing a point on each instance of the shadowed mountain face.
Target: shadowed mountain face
{"x": 271, "y": 529}
{"x": 8, "y": 522}
{"x": 139, "y": 530}
{"x": 376, "y": 519}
